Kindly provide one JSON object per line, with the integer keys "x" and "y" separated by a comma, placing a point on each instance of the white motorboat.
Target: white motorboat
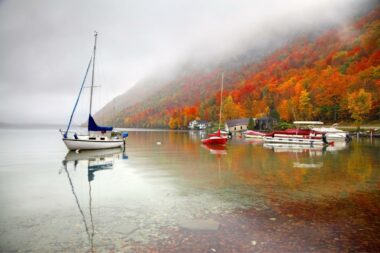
{"x": 333, "y": 134}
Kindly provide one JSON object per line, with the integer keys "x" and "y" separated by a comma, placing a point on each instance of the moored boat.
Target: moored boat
{"x": 226, "y": 134}
{"x": 217, "y": 138}
{"x": 331, "y": 133}
{"x": 297, "y": 136}
{"x": 254, "y": 134}
{"x": 98, "y": 137}
{"x": 92, "y": 142}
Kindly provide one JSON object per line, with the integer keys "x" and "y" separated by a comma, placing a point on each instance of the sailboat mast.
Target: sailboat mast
{"x": 221, "y": 101}
{"x": 93, "y": 72}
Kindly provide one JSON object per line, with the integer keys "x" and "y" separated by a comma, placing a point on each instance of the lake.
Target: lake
{"x": 168, "y": 193}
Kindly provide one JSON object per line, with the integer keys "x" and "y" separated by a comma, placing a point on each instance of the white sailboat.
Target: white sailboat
{"x": 98, "y": 137}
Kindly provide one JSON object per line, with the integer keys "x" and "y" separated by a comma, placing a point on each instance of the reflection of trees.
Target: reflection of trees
{"x": 263, "y": 170}
{"x": 274, "y": 172}
{"x": 360, "y": 166}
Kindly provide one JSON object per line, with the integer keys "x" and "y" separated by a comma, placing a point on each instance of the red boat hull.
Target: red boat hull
{"x": 215, "y": 140}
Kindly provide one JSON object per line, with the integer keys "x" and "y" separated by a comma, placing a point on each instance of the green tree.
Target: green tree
{"x": 304, "y": 105}
{"x": 251, "y": 124}
{"x": 230, "y": 109}
{"x": 359, "y": 104}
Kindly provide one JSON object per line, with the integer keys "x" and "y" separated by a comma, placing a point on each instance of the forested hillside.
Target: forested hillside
{"x": 331, "y": 77}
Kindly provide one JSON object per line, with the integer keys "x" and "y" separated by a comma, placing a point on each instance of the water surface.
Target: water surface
{"x": 168, "y": 193}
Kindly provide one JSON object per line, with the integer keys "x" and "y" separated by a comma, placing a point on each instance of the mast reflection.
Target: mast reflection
{"x": 97, "y": 160}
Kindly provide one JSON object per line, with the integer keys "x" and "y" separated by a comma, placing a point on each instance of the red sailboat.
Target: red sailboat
{"x": 217, "y": 138}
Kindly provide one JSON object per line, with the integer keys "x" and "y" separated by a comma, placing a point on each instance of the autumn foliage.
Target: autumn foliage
{"x": 333, "y": 77}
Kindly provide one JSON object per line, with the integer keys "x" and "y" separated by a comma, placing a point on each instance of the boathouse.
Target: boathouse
{"x": 237, "y": 125}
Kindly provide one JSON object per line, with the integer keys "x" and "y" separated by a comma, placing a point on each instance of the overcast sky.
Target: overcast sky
{"x": 45, "y": 45}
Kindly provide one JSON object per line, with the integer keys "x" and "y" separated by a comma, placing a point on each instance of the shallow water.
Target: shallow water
{"x": 167, "y": 193}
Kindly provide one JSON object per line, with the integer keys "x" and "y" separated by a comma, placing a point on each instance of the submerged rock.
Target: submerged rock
{"x": 209, "y": 225}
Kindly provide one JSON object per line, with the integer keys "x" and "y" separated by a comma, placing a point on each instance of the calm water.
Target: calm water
{"x": 168, "y": 193}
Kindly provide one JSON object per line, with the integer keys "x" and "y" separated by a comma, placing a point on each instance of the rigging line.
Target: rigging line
{"x": 76, "y": 103}
{"x": 77, "y": 202}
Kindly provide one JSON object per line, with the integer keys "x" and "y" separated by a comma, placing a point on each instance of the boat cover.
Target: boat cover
{"x": 92, "y": 126}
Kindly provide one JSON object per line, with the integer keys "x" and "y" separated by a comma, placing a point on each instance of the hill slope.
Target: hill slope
{"x": 331, "y": 77}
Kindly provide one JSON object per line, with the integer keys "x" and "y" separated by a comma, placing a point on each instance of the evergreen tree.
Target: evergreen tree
{"x": 251, "y": 124}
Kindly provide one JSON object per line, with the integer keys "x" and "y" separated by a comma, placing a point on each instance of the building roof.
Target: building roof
{"x": 237, "y": 122}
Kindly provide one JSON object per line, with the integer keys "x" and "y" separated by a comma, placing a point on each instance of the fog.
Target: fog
{"x": 45, "y": 45}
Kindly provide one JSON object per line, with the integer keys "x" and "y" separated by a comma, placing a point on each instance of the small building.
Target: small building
{"x": 263, "y": 124}
{"x": 236, "y": 125}
{"x": 192, "y": 124}
{"x": 203, "y": 124}
{"x": 198, "y": 124}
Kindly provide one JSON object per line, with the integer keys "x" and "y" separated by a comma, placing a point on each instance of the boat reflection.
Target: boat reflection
{"x": 91, "y": 155}
{"x": 215, "y": 149}
{"x": 305, "y": 157}
{"x": 254, "y": 141}
{"x": 97, "y": 160}
{"x": 338, "y": 146}
{"x": 195, "y": 135}
{"x": 294, "y": 148}
{"x": 283, "y": 147}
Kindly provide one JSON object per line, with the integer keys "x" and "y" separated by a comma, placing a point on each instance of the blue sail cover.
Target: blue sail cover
{"x": 92, "y": 126}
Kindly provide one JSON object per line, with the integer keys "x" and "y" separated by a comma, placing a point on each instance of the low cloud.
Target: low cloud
{"x": 45, "y": 45}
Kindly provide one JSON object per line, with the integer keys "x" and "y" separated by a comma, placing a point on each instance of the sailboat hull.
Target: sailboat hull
{"x": 215, "y": 140}
{"x": 75, "y": 144}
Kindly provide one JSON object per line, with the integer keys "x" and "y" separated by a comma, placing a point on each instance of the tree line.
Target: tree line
{"x": 334, "y": 77}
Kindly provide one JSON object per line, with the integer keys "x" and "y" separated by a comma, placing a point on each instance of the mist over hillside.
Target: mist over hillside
{"x": 153, "y": 101}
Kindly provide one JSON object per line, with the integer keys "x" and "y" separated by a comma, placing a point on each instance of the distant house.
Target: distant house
{"x": 192, "y": 124}
{"x": 203, "y": 124}
{"x": 198, "y": 124}
{"x": 236, "y": 125}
